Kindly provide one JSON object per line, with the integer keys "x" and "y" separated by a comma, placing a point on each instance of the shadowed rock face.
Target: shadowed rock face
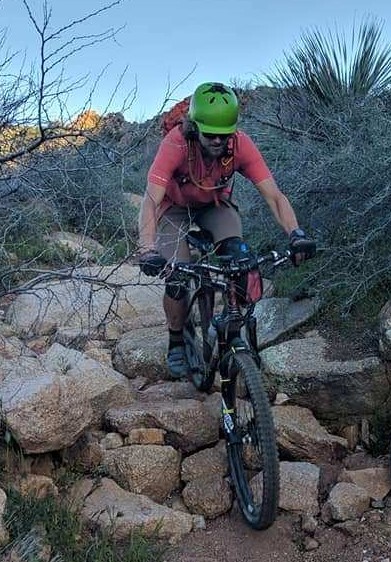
{"x": 301, "y": 437}
{"x": 333, "y": 390}
{"x": 276, "y": 316}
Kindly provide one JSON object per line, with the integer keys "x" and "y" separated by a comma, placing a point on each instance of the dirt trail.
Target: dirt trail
{"x": 229, "y": 539}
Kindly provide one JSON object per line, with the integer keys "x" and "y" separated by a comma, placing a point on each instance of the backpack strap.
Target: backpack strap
{"x": 227, "y": 161}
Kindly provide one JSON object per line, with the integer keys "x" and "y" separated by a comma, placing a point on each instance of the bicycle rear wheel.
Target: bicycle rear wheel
{"x": 251, "y": 443}
{"x": 198, "y": 348}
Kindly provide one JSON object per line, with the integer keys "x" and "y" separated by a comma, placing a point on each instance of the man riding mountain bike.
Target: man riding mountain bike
{"x": 190, "y": 182}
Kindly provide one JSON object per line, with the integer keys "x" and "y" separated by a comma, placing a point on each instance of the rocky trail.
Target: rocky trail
{"x": 229, "y": 538}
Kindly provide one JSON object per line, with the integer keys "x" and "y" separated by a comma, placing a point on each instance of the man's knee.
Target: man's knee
{"x": 233, "y": 246}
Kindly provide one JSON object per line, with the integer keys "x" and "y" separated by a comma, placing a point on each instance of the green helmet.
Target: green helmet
{"x": 214, "y": 108}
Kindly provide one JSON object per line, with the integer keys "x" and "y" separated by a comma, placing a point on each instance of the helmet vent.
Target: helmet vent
{"x": 216, "y": 88}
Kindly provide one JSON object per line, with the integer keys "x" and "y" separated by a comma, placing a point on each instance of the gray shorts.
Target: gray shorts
{"x": 222, "y": 221}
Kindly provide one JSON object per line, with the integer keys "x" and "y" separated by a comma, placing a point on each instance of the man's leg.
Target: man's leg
{"x": 172, "y": 244}
{"x": 222, "y": 221}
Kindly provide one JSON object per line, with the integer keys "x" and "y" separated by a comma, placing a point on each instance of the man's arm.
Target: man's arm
{"x": 279, "y": 204}
{"x": 302, "y": 248}
{"x": 147, "y": 222}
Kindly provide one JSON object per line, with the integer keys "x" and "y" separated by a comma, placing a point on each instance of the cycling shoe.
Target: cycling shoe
{"x": 177, "y": 362}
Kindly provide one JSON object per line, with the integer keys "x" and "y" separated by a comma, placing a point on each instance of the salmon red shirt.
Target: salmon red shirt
{"x": 171, "y": 164}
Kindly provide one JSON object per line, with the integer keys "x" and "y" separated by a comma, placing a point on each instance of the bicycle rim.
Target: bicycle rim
{"x": 197, "y": 347}
{"x": 252, "y": 448}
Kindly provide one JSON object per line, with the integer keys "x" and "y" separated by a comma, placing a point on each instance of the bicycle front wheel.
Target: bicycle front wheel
{"x": 198, "y": 349}
{"x": 251, "y": 443}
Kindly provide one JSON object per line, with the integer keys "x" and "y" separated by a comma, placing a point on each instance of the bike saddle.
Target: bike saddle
{"x": 202, "y": 240}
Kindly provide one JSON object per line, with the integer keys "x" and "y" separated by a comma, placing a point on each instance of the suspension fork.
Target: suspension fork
{"x": 228, "y": 382}
{"x": 251, "y": 330}
{"x": 228, "y": 326}
{"x": 227, "y": 351}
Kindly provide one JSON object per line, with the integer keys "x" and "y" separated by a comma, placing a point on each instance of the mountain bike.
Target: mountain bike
{"x": 221, "y": 337}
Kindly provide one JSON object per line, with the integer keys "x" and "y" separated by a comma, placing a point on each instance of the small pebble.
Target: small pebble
{"x": 310, "y": 543}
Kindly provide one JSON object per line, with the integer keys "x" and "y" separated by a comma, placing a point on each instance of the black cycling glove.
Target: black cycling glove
{"x": 301, "y": 245}
{"x": 151, "y": 263}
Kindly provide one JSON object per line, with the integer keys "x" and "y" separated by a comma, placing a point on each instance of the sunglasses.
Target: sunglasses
{"x": 211, "y": 136}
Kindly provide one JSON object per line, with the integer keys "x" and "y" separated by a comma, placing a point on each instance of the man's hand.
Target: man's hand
{"x": 302, "y": 247}
{"x": 151, "y": 263}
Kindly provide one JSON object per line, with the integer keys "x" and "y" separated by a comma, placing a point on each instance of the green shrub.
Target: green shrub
{"x": 341, "y": 191}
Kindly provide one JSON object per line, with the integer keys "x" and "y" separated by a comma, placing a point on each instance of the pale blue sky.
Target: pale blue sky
{"x": 165, "y": 40}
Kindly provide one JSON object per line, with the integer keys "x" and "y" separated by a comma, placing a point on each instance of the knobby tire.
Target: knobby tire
{"x": 257, "y": 497}
{"x": 196, "y": 344}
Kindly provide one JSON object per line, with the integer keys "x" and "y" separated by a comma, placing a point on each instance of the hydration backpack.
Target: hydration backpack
{"x": 175, "y": 115}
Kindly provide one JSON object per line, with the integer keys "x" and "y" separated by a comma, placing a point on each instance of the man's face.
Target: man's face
{"x": 212, "y": 144}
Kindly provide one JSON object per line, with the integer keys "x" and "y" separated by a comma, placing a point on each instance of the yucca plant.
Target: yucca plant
{"x": 328, "y": 68}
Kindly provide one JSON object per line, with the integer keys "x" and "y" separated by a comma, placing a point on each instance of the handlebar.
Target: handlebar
{"x": 231, "y": 266}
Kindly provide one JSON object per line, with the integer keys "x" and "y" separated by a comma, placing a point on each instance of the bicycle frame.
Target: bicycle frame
{"x": 228, "y": 323}
{"x": 232, "y": 349}
{"x": 235, "y": 315}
